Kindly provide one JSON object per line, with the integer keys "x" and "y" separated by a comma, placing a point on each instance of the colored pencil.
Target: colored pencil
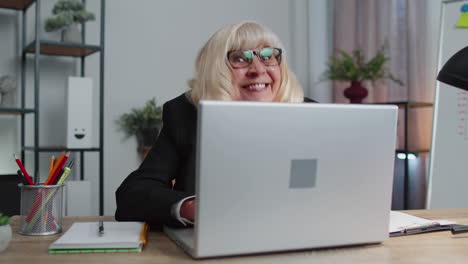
{"x": 51, "y": 164}
{"x": 56, "y": 164}
{"x": 58, "y": 169}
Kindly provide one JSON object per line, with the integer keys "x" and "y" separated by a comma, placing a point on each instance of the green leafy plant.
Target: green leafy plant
{"x": 4, "y": 219}
{"x": 67, "y": 12}
{"x": 352, "y": 67}
{"x": 143, "y": 121}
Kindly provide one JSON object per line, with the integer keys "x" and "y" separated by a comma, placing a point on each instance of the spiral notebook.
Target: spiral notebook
{"x": 84, "y": 237}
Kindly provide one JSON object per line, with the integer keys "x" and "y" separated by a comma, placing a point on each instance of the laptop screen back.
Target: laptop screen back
{"x": 277, "y": 176}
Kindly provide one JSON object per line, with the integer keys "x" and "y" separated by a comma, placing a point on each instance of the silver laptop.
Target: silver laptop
{"x": 278, "y": 177}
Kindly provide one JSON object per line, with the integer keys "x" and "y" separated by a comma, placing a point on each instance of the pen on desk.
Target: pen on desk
{"x": 101, "y": 228}
{"x": 459, "y": 229}
{"x": 419, "y": 227}
{"x": 23, "y": 170}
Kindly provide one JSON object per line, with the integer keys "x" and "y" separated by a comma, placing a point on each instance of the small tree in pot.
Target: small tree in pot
{"x": 66, "y": 14}
{"x": 352, "y": 68}
{"x": 145, "y": 123}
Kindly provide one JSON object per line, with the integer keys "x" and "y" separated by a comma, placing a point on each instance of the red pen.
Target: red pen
{"x": 26, "y": 175}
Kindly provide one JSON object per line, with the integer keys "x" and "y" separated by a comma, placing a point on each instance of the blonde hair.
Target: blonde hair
{"x": 213, "y": 78}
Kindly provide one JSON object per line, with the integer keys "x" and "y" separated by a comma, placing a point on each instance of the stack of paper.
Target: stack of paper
{"x": 84, "y": 237}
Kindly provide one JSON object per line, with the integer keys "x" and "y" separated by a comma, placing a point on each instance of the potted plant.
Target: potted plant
{"x": 352, "y": 68}
{"x": 5, "y": 232}
{"x": 67, "y": 13}
{"x": 145, "y": 123}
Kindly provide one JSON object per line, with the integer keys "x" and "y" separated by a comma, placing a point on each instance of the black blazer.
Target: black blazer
{"x": 146, "y": 194}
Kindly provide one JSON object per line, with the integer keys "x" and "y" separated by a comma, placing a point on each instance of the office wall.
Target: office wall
{"x": 150, "y": 49}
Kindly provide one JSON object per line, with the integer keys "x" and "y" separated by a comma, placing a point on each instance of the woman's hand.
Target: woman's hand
{"x": 187, "y": 210}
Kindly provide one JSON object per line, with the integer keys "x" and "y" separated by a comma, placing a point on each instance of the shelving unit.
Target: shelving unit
{"x": 38, "y": 48}
{"x": 16, "y": 4}
{"x": 407, "y": 105}
{"x": 16, "y": 111}
{"x": 62, "y": 49}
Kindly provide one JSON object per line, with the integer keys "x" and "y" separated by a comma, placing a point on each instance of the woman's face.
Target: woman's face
{"x": 256, "y": 82}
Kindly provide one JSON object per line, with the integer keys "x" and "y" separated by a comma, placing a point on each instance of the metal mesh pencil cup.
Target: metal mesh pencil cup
{"x": 41, "y": 209}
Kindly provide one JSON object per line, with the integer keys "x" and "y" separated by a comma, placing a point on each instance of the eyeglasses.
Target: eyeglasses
{"x": 243, "y": 58}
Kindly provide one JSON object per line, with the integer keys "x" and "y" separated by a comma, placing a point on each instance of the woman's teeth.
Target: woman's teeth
{"x": 257, "y": 86}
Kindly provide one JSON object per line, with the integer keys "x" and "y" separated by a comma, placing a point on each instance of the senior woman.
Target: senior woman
{"x": 242, "y": 62}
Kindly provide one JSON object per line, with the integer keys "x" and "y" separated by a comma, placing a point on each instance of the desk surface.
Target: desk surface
{"x": 437, "y": 247}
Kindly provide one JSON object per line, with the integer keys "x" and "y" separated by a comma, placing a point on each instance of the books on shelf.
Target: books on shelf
{"x": 91, "y": 237}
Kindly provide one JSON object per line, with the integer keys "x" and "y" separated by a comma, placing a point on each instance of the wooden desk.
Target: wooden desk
{"x": 437, "y": 247}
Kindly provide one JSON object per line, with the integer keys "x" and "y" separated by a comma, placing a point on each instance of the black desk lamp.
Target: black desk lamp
{"x": 455, "y": 71}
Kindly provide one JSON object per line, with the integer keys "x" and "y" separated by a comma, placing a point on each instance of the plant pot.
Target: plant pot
{"x": 143, "y": 151}
{"x": 146, "y": 137}
{"x": 356, "y": 92}
{"x": 71, "y": 34}
{"x": 5, "y": 237}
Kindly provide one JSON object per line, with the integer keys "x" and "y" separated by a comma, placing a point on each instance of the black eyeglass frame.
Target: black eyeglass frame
{"x": 257, "y": 53}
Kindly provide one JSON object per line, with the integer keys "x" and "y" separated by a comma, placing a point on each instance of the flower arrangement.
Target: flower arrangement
{"x": 351, "y": 67}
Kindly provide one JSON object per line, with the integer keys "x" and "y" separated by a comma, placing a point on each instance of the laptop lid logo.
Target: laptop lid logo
{"x": 303, "y": 173}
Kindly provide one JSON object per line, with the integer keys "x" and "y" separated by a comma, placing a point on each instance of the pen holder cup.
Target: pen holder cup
{"x": 41, "y": 209}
